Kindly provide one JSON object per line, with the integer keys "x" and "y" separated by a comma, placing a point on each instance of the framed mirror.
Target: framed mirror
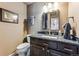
{"x": 54, "y": 20}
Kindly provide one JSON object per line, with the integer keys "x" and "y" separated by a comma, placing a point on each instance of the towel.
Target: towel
{"x": 67, "y": 28}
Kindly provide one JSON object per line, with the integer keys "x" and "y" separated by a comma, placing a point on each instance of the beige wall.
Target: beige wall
{"x": 74, "y": 11}
{"x": 63, "y": 7}
{"x": 12, "y": 34}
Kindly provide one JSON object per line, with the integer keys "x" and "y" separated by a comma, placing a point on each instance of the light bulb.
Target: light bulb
{"x": 49, "y": 5}
{"x": 55, "y": 5}
{"x": 45, "y": 9}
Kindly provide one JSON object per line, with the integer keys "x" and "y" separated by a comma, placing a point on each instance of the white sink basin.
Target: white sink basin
{"x": 50, "y": 37}
{"x": 53, "y": 37}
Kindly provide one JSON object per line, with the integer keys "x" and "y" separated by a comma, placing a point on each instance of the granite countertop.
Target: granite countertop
{"x": 55, "y": 38}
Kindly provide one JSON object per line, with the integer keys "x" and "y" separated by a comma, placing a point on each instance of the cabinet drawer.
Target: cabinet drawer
{"x": 52, "y": 45}
{"x": 56, "y": 53}
{"x": 38, "y": 41}
{"x": 67, "y": 48}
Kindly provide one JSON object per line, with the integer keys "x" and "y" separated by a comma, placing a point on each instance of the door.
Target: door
{"x": 37, "y": 50}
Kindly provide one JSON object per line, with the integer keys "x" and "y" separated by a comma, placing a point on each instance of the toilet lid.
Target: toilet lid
{"x": 23, "y": 45}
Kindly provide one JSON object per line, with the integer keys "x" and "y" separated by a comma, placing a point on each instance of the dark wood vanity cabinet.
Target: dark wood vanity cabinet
{"x": 43, "y": 47}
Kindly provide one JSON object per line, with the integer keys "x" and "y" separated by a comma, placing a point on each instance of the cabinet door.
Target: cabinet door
{"x": 56, "y": 53}
{"x": 78, "y": 51}
{"x": 52, "y": 45}
{"x": 67, "y": 48}
{"x": 37, "y": 50}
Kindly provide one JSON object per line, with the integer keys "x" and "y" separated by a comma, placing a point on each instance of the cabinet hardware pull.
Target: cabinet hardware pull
{"x": 45, "y": 44}
{"x": 68, "y": 49}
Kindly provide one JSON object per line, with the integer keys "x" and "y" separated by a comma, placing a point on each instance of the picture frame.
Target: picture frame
{"x": 71, "y": 20}
{"x": 8, "y": 16}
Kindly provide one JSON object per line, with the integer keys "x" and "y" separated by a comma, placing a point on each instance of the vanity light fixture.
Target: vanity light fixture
{"x": 49, "y": 7}
{"x": 55, "y": 5}
{"x": 45, "y": 9}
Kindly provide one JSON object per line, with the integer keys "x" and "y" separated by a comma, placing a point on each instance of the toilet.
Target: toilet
{"x": 24, "y": 48}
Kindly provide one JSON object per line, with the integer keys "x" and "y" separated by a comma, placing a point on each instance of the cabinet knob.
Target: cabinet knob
{"x": 43, "y": 49}
{"x": 47, "y": 50}
{"x": 68, "y": 49}
{"x": 45, "y": 44}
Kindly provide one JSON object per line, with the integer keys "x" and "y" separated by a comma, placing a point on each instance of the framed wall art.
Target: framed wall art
{"x": 8, "y": 16}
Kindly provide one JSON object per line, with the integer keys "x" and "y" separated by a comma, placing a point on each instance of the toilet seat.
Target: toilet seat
{"x": 23, "y": 45}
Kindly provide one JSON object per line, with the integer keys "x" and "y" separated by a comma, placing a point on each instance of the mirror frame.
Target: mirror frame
{"x": 56, "y": 14}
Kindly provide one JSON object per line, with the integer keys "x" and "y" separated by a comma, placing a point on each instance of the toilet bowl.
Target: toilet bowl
{"x": 23, "y": 48}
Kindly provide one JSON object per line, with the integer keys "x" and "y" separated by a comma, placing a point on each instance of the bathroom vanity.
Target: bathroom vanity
{"x": 53, "y": 46}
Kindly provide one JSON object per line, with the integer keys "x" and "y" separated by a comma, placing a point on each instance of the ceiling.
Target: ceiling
{"x": 28, "y": 3}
